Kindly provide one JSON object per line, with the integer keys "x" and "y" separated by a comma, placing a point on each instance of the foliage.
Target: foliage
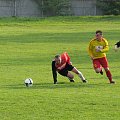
{"x": 54, "y": 7}
{"x": 111, "y": 7}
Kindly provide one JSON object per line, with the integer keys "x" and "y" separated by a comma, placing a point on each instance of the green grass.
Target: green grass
{"x": 27, "y": 47}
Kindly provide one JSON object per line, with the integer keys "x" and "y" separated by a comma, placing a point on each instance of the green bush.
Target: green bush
{"x": 54, "y": 7}
{"x": 111, "y": 7}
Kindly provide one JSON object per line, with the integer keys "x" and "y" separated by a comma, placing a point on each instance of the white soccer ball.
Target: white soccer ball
{"x": 28, "y": 82}
{"x": 98, "y": 48}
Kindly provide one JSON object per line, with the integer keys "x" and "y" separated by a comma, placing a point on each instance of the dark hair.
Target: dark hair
{"x": 99, "y": 31}
{"x": 57, "y": 56}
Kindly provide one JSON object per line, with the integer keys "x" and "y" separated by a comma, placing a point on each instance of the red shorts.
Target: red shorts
{"x": 97, "y": 63}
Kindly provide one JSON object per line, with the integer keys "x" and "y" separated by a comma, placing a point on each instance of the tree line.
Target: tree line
{"x": 63, "y": 7}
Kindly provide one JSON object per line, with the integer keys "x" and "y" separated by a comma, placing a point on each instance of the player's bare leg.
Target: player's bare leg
{"x": 79, "y": 74}
{"x": 70, "y": 77}
{"x": 99, "y": 70}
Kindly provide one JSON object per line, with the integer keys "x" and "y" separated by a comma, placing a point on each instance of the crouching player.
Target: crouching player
{"x": 62, "y": 65}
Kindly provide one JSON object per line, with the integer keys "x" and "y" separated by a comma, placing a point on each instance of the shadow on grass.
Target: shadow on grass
{"x": 60, "y": 85}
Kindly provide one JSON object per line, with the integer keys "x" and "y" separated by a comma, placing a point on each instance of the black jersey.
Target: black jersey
{"x": 118, "y": 44}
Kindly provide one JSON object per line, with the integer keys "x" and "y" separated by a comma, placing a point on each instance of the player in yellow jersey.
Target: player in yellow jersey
{"x": 97, "y": 50}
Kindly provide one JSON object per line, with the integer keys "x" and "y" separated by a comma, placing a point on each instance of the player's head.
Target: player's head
{"x": 99, "y": 35}
{"x": 58, "y": 59}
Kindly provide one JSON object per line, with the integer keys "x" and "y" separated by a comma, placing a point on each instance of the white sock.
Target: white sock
{"x": 81, "y": 75}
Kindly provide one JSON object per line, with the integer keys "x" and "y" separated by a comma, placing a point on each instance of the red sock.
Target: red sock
{"x": 109, "y": 75}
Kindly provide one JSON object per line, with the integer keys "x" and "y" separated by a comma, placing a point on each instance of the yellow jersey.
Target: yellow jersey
{"x": 94, "y": 45}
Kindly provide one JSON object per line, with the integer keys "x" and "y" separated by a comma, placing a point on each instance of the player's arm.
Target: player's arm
{"x": 90, "y": 50}
{"x": 61, "y": 67}
{"x": 54, "y": 72}
{"x": 106, "y": 47}
{"x": 90, "y": 53}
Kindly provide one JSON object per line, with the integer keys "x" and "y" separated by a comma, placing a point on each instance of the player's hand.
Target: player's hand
{"x": 61, "y": 67}
{"x": 92, "y": 58}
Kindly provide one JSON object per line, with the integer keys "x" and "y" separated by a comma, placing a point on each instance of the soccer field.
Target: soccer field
{"x": 27, "y": 47}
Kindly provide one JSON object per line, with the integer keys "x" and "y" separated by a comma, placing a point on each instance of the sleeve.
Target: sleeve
{"x": 68, "y": 58}
{"x": 54, "y": 72}
{"x": 106, "y": 47}
{"x": 90, "y": 50}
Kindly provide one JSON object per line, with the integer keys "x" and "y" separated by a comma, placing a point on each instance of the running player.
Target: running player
{"x": 97, "y": 51}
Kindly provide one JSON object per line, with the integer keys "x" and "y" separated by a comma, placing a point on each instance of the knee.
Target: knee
{"x": 106, "y": 69}
{"x": 70, "y": 76}
{"x": 97, "y": 70}
{"x": 75, "y": 70}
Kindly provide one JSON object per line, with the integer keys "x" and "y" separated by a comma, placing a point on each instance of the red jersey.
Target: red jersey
{"x": 64, "y": 59}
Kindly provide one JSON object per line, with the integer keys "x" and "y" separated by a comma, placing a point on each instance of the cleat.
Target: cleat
{"x": 112, "y": 82}
{"x": 101, "y": 72}
{"x": 55, "y": 82}
{"x": 84, "y": 81}
{"x": 72, "y": 81}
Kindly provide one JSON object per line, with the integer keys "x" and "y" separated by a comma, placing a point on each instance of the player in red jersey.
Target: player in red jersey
{"x": 97, "y": 51}
{"x": 62, "y": 65}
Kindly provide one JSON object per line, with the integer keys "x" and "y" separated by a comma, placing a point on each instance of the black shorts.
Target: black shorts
{"x": 64, "y": 71}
